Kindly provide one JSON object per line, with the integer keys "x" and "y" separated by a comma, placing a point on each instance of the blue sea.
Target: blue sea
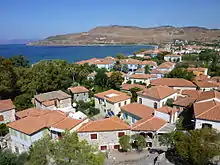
{"x": 69, "y": 53}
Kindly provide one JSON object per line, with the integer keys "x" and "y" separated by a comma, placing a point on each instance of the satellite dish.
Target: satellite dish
{"x": 74, "y": 104}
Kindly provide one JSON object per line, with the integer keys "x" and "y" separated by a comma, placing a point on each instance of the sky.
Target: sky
{"x": 38, "y": 19}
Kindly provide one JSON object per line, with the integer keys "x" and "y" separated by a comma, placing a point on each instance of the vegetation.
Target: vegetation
{"x": 195, "y": 147}
{"x": 180, "y": 73}
{"x": 169, "y": 102}
{"x": 134, "y": 93}
{"x": 140, "y": 142}
{"x": 125, "y": 143}
{"x": 147, "y": 69}
{"x": 115, "y": 80}
{"x": 3, "y": 129}
{"x": 117, "y": 66}
{"x": 87, "y": 108}
{"x": 69, "y": 150}
{"x": 9, "y": 158}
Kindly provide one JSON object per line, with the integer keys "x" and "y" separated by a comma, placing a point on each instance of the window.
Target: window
{"x": 120, "y": 134}
{"x": 206, "y": 125}
{"x": 99, "y": 101}
{"x": 103, "y": 147}
{"x": 16, "y": 149}
{"x": 93, "y": 136}
{"x": 119, "y": 104}
{"x": 59, "y": 135}
{"x": 140, "y": 100}
{"x": 133, "y": 120}
{"x": 125, "y": 115}
{"x": 155, "y": 105}
{"x": 125, "y": 102}
{"x": 117, "y": 147}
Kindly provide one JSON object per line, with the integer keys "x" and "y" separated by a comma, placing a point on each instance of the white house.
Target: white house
{"x": 104, "y": 133}
{"x": 156, "y": 97}
{"x": 207, "y": 85}
{"x": 132, "y": 64}
{"x": 151, "y": 64}
{"x": 173, "y": 58}
{"x": 55, "y": 100}
{"x": 109, "y": 102}
{"x": 7, "y": 111}
{"x": 79, "y": 93}
{"x": 166, "y": 66}
{"x": 175, "y": 83}
{"x": 140, "y": 78}
{"x": 167, "y": 113}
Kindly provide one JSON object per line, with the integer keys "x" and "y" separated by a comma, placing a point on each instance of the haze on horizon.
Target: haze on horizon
{"x": 39, "y": 19}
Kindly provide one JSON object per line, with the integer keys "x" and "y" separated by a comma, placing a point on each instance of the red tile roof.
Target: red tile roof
{"x": 78, "y": 89}
{"x": 208, "y": 95}
{"x": 201, "y": 107}
{"x": 191, "y": 93}
{"x": 206, "y": 84}
{"x": 151, "y": 63}
{"x": 113, "y": 96}
{"x": 140, "y": 76}
{"x": 109, "y": 124}
{"x": 166, "y": 65}
{"x": 139, "y": 110}
{"x": 149, "y": 124}
{"x": 185, "y": 102}
{"x": 67, "y": 123}
{"x": 197, "y": 69}
{"x": 173, "y": 82}
{"x": 157, "y": 92}
{"x": 130, "y": 61}
{"x": 212, "y": 114}
{"x": 6, "y": 105}
{"x": 34, "y": 112}
{"x": 167, "y": 110}
{"x": 130, "y": 86}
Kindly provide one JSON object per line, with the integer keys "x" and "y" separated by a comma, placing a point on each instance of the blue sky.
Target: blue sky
{"x": 29, "y": 19}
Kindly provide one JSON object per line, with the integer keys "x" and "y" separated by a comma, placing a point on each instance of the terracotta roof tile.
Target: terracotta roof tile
{"x": 48, "y": 103}
{"x": 191, "y": 93}
{"x": 201, "y": 107}
{"x": 206, "y": 84}
{"x": 78, "y": 89}
{"x": 151, "y": 63}
{"x": 208, "y": 95}
{"x": 157, "y": 92}
{"x": 130, "y": 61}
{"x": 173, "y": 82}
{"x": 60, "y": 95}
{"x": 140, "y": 76}
{"x": 202, "y": 78}
{"x": 167, "y": 110}
{"x": 6, "y": 105}
{"x": 149, "y": 124}
{"x": 67, "y": 123}
{"x": 139, "y": 110}
{"x": 130, "y": 86}
{"x": 166, "y": 65}
{"x": 197, "y": 69}
{"x": 34, "y": 112}
{"x": 185, "y": 102}
{"x": 211, "y": 114}
{"x": 109, "y": 124}
{"x": 113, "y": 96}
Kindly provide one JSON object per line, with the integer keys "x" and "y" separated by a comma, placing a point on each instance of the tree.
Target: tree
{"x": 146, "y": 69}
{"x": 87, "y": 108}
{"x": 125, "y": 143}
{"x": 19, "y": 61}
{"x": 134, "y": 93}
{"x": 3, "y": 129}
{"x": 125, "y": 68}
{"x": 23, "y": 101}
{"x": 101, "y": 79}
{"x": 140, "y": 142}
{"x": 68, "y": 150}
{"x": 115, "y": 80}
{"x": 196, "y": 147}
{"x": 121, "y": 56}
{"x": 169, "y": 102}
{"x": 117, "y": 66}
{"x": 9, "y": 158}
{"x": 180, "y": 73}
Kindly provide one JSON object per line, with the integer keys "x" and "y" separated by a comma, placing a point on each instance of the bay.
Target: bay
{"x": 69, "y": 53}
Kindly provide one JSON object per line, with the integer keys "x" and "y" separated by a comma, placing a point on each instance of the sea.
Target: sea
{"x": 69, "y": 53}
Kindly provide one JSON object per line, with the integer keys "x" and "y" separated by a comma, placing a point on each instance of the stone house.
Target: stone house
{"x": 156, "y": 97}
{"x": 104, "y": 133}
{"x": 7, "y": 111}
{"x": 79, "y": 93}
{"x": 109, "y": 102}
{"x": 55, "y": 100}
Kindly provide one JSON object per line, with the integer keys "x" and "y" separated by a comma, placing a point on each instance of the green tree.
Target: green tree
{"x": 140, "y": 142}
{"x": 3, "y": 129}
{"x": 101, "y": 79}
{"x": 169, "y": 102}
{"x": 23, "y": 101}
{"x": 125, "y": 68}
{"x": 125, "y": 143}
{"x": 9, "y": 158}
{"x": 115, "y": 80}
{"x": 117, "y": 66}
{"x": 134, "y": 93}
{"x": 180, "y": 73}
{"x": 121, "y": 56}
{"x": 146, "y": 69}
{"x": 19, "y": 61}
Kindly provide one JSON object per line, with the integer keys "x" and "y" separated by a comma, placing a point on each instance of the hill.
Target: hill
{"x": 132, "y": 35}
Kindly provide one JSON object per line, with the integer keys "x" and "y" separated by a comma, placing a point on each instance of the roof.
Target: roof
{"x": 30, "y": 124}
{"x": 108, "y": 124}
{"x": 197, "y": 69}
{"x": 185, "y": 102}
{"x": 139, "y": 110}
{"x": 130, "y": 86}
{"x": 149, "y": 124}
{"x": 167, "y": 110}
{"x": 206, "y": 84}
{"x": 113, "y": 96}
{"x": 110, "y": 73}
{"x": 130, "y": 61}
{"x": 6, "y": 105}
{"x": 78, "y": 89}
{"x": 172, "y": 55}
{"x": 202, "y": 78}
{"x": 48, "y": 103}
{"x": 208, "y": 95}
{"x": 157, "y": 92}
{"x": 200, "y": 107}
{"x": 211, "y": 114}
{"x": 67, "y": 123}
{"x": 34, "y": 112}
{"x": 140, "y": 76}
{"x": 140, "y": 70}
{"x": 173, "y": 82}
{"x": 146, "y": 62}
{"x": 166, "y": 65}
{"x": 156, "y": 71}
{"x": 191, "y": 93}
{"x": 60, "y": 95}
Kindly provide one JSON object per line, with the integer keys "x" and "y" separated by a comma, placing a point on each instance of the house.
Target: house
{"x": 79, "y": 93}
{"x": 158, "y": 73}
{"x": 206, "y": 85}
{"x": 166, "y": 66}
{"x": 132, "y": 64}
{"x": 133, "y": 112}
{"x": 140, "y": 71}
{"x": 104, "y": 133}
{"x": 156, "y": 97}
{"x": 128, "y": 87}
{"x": 173, "y": 58}
{"x": 175, "y": 83}
{"x": 151, "y": 64}
{"x": 140, "y": 78}
{"x": 55, "y": 100}
{"x": 191, "y": 93}
{"x": 36, "y": 125}
{"x": 7, "y": 111}
{"x": 33, "y": 112}
{"x": 198, "y": 71}
{"x": 109, "y": 102}
{"x": 184, "y": 103}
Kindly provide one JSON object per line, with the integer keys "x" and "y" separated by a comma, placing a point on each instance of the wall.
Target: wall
{"x": 128, "y": 117}
{"x": 134, "y": 81}
{"x": 162, "y": 115}
{"x": 199, "y": 123}
{"x": 184, "y": 88}
{"x": 81, "y": 96}
{"x": 37, "y": 103}
{"x": 8, "y": 115}
{"x": 108, "y": 138}
{"x": 65, "y": 103}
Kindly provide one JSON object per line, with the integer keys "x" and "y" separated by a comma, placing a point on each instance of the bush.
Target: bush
{"x": 125, "y": 143}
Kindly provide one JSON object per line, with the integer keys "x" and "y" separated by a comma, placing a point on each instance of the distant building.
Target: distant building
{"x": 173, "y": 58}
{"x": 79, "y": 93}
{"x": 198, "y": 71}
{"x": 167, "y": 113}
{"x": 128, "y": 87}
{"x": 140, "y": 78}
{"x": 166, "y": 67}
{"x": 7, "y": 111}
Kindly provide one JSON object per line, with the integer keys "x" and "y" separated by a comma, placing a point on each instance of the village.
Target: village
{"x": 149, "y": 100}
